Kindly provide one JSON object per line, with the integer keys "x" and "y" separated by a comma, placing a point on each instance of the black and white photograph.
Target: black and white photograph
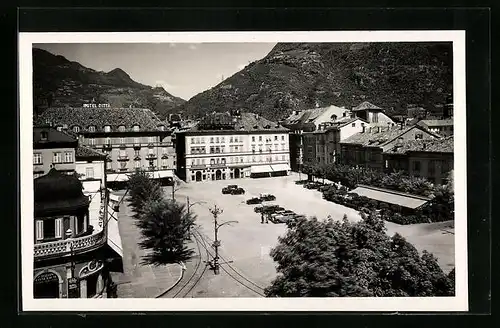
{"x": 243, "y": 171}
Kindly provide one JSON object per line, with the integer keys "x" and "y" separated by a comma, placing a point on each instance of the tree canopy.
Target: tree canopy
{"x": 340, "y": 258}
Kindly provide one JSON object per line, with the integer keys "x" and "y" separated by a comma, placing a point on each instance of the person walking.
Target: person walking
{"x": 261, "y": 217}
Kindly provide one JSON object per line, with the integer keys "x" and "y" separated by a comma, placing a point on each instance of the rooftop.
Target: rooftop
{"x": 47, "y": 134}
{"x": 245, "y": 122}
{"x": 374, "y": 138}
{"x": 86, "y": 152}
{"x": 444, "y": 145}
{"x": 432, "y": 123}
{"x": 366, "y": 105}
{"x": 309, "y": 115}
{"x": 390, "y": 196}
{"x": 84, "y": 117}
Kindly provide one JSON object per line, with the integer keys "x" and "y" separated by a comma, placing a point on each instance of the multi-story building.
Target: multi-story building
{"x": 366, "y": 148}
{"x": 52, "y": 149}
{"x": 373, "y": 115}
{"x": 232, "y": 146}
{"x": 431, "y": 159}
{"x": 442, "y": 127}
{"x": 301, "y": 122}
{"x": 132, "y": 138}
{"x": 73, "y": 256}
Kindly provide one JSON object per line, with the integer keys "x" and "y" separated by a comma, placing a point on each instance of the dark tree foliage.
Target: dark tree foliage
{"x": 344, "y": 259}
{"x": 165, "y": 227}
{"x": 141, "y": 190}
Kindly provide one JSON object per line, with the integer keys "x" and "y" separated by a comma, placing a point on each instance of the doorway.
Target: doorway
{"x": 198, "y": 176}
{"x": 236, "y": 173}
{"x": 46, "y": 285}
{"x": 218, "y": 175}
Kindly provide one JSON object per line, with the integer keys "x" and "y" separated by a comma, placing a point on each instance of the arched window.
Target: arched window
{"x": 107, "y": 128}
{"x": 76, "y": 129}
{"x": 91, "y": 128}
{"x": 135, "y": 128}
{"x": 121, "y": 128}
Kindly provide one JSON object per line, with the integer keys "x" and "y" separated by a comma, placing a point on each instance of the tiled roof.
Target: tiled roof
{"x": 245, "y": 122}
{"x": 444, "y": 145}
{"x": 433, "y": 123}
{"x": 365, "y": 105}
{"x": 53, "y": 135}
{"x": 376, "y": 139}
{"x": 310, "y": 115}
{"x": 86, "y": 152}
{"x": 99, "y": 117}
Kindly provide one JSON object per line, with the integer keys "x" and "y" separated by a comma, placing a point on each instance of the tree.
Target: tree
{"x": 165, "y": 227}
{"x": 141, "y": 190}
{"x": 341, "y": 258}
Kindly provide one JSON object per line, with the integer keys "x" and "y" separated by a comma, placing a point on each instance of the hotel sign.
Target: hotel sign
{"x": 96, "y": 106}
{"x": 73, "y": 288}
{"x": 46, "y": 277}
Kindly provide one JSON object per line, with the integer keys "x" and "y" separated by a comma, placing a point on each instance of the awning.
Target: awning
{"x": 116, "y": 177}
{"x": 280, "y": 167}
{"x": 261, "y": 169}
{"x": 391, "y": 197}
{"x": 114, "y": 240}
{"x": 166, "y": 174}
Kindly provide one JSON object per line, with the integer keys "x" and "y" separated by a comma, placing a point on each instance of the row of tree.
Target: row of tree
{"x": 164, "y": 223}
{"x": 352, "y": 176}
{"x": 340, "y": 258}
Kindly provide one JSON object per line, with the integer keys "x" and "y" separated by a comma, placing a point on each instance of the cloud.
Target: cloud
{"x": 193, "y": 46}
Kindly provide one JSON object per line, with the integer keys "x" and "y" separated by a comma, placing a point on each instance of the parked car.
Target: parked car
{"x": 230, "y": 188}
{"x": 301, "y": 182}
{"x": 284, "y": 216}
{"x": 254, "y": 200}
{"x": 237, "y": 191}
{"x": 268, "y": 208}
{"x": 267, "y": 197}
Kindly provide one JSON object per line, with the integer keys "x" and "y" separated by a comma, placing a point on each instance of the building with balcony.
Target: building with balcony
{"x": 366, "y": 148}
{"x": 52, "y": 149}
{"x": 73, "y": 255}
{"x": 430, "y": 159}
{"x": 232, "y": 146}
{"x": 132, "y": 138}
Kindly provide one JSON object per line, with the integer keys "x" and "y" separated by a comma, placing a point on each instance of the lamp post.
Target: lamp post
{"x": 189, "y": 205}
{"x": 73, "y": 281}
{"x": 216, "y": 211}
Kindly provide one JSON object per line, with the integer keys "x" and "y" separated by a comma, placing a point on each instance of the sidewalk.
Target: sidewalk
{"x": 140, "y": 281}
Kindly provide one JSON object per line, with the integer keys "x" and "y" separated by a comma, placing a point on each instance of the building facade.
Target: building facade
{"x": 72, "y": 258}
{"x": 373, "y": 115}
{"x": 132, "y": 138}
{"x": 366, "y": 148}
{"x": 52, "y": 149}
{"x": 430, "y": 159}
{"x": 442, "y": 127}
{"x": 232, "y": 146}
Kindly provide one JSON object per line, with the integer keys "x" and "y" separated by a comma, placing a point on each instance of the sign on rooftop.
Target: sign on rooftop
{"x": 96, "y": 106}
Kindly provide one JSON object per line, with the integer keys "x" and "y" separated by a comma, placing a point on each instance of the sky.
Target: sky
{"x": 183, "y": 69}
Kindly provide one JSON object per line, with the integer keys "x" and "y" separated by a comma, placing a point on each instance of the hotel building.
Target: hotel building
{"x": 232, "y": 146}
{"x": 131, "y": 138}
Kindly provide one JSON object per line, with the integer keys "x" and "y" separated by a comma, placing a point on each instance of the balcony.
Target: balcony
{"x": 137, "y": 146}
{"x": 123, "y": 158}
{"x": 63, "y": 247}
{"x": 151, "y": 156}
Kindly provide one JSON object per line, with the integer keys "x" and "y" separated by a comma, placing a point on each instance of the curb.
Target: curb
{"x": 183, "y": 268}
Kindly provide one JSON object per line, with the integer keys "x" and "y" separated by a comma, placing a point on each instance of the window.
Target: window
{"x": 135, "y": 128}
{"x": 152, "y": 139}
{"x": 236, "y": 139}
{"x": 76, "y": 129}
{"x": 241, "y": 159}
{"x": 230, "y": 139}
{"x": 282, "y": 138}
{"x": 223, "y": 161}
{"x": 137, "y": 153}
{"x": 253, "y": 159}
{"x": 353, "y": 125}
{"x": 253, "y": 149}
{"x": 164, "y": 150}
{"x": 375, "y": 118}
{"x": 123, "y": 165}
{"x": 260, "y": 138}
{"x": 282, "y": 157}
{"x": 212, "y": 150}
{"x": 37, "y": 158}
{"x": 44, "y": 135}
{"x": 107, "y": 128}
{"x": 217, "y": 150}
{"x": 202, "y": 139}
{"x": 91, "y": 128}
{"x": 222, "y": 140}
{"x": 107, "y": 141}
{"x": 275, "y": 138}
{"x": 91, "y": 141}
{"x": 108, "y": 165}
{"x": 57, "y": 158}
{"x": 121, "y": 128}
{"x": 416, "y": 166}
{"x": 419, "y": 136}
{"x": 212, "y": 161}
{"x": 122, "y": 141}
{"x": 276, "y": 147}
{"x": 253, "y": 138}
{"x": 235, "y": 148}
{"x": 211, "y": 139}
{"x": 89, "y": 172}
{"x": 123, "y": 153}
{"x": 137, "y": 141}
{"x": 49, "y": 229}
{"x": 150, "y": 151}
{"x": 137, "y": 164}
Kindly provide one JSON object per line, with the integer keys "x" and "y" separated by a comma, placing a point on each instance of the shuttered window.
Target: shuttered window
{"x": 59, "y": 228}
{"x": 39, "y": 230}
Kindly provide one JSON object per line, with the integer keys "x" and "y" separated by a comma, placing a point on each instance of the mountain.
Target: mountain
{"x": 295, "y": 76}
{"x": 60, "y": 82}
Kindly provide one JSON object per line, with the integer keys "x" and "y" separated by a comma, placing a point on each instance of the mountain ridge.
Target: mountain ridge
{"x": 58, "y": 81}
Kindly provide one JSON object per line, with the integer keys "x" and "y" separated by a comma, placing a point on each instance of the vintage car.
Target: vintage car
{"x": 267, "y": 197}
{"x": 254, "y": 200}
{"x": 284, "y": 216}
{"x": 312, "y": 185}
{"x": 228, "y": 189}
{"x": 237, "y": 191}
{"x": 268, "y": 208}
{"x": 301, "y": 182}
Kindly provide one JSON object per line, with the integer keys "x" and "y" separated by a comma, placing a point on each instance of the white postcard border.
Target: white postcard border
{"x": 456, "y": 303}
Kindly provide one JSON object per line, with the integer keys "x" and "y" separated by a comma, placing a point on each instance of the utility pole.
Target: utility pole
{"x": 216, "y": 211}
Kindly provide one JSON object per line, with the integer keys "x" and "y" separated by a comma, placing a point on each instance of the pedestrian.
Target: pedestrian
{"x": 261, "y": 217}
{"x": 267, "y": 218}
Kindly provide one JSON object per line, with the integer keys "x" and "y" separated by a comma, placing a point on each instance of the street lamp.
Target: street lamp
{"x": 72, "y": 282}
{"x": 216, "y": 212}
